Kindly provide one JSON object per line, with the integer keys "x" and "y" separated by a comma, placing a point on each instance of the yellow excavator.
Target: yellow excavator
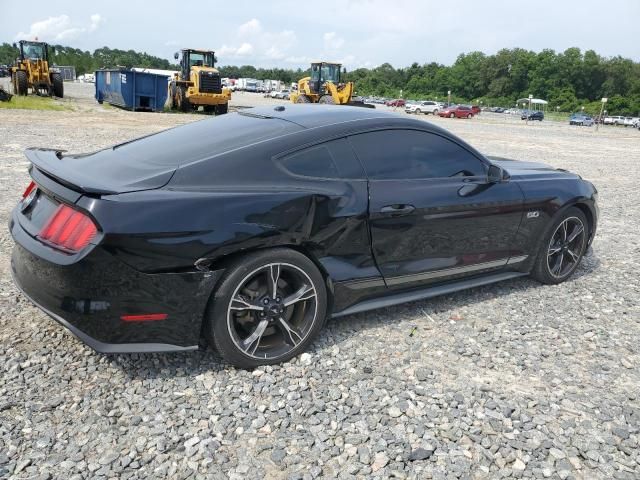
{"x": 198, "y": 83}
{"x": 31, "y": 71}
{"x": 324, "y": 86}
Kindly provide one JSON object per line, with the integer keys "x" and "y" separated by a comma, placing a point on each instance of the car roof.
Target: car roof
{"x": 315, "y": 115}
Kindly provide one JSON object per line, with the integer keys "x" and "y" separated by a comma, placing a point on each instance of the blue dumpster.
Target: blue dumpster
{"x": 132, "y": 90}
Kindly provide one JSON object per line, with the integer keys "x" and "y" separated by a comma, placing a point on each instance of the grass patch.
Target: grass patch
{"x": 34, "y": 102}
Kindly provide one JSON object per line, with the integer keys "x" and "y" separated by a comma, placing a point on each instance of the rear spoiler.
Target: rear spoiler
{"x": 68, "y": 171}
{"x": 49, "y": 161}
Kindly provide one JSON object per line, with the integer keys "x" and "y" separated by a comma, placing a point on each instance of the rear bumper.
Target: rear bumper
{"x": 89, "y": 297}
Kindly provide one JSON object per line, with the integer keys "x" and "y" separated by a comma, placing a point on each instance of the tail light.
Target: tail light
{"x": 68, "y": 230}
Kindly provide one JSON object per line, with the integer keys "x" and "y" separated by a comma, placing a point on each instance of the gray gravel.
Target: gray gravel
{"x": 515, "y": 380}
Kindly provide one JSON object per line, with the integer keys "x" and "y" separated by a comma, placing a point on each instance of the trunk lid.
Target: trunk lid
{"x": 101, "y": 173}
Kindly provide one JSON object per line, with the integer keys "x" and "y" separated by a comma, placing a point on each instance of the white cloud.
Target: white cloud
{"x": 245, "y": 49}
{"x": 242, "y": 51}
{"x": 96, "y": 20}
{"x": 252, "y": 27}
{"x": 332, "y": 41}
{"x": 59, "y": 28}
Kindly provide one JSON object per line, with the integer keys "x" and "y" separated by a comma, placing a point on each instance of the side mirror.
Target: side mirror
{"x": 495, "y": 174}
{"x": 175, "y": 55}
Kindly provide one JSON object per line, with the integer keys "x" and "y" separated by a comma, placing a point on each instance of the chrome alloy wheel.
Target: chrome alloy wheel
{"x": 566, "y": 247}
{"x": 272, "y": 311}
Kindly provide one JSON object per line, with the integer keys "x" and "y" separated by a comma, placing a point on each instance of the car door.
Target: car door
{"x": 433, "y": 212}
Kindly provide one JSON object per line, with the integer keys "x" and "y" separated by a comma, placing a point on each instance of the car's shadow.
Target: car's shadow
{"x": 190, "y": 364}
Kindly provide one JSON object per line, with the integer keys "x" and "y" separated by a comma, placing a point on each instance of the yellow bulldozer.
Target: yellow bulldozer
{"x": 198, "y": 83}
{"x": 31, "y": 71}
{"x": 324, "y": 86}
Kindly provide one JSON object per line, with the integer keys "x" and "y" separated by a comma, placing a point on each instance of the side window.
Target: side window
{"x": 334, "y": 159}
{"x": 411, "y": 154}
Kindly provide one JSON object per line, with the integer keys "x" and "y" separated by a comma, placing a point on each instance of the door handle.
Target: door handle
{"x": 397, "y": 209}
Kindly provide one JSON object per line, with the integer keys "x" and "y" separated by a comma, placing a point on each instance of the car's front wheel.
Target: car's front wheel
{"x": 562, "y": 248}
{"x": 268, "y": 308}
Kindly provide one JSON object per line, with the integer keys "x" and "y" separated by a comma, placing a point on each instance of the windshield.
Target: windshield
{"x": 33, "y": 50}
{"x": 201, "y": 59}
{"x": 330, "y": 73}
{"x": 325, "y": 72}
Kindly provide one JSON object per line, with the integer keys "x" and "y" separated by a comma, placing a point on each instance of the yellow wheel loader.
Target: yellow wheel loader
{"x": 324, "y": 86}
{"x": 198, "y": 83}
{"x": 31, "y": 71}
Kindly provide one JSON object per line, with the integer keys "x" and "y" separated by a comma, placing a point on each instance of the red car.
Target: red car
{"x": 475, "y": 109}
{"x": 458, "y": 111}
{"x": 395, "y": 103}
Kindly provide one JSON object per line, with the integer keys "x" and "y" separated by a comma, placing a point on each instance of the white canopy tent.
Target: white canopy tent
{"x": 536, "y": 103}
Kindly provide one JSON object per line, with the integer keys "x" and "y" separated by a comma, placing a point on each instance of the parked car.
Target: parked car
{"x": 581, "y": 119}
{"x": 398, "y": 102}
{"x": 425, "y": 107}
{"x": 282, "y": 94}
{"x": 234, "y": 227}
{"x": 476, "y": 109}
{"x": 457, "y": 111}
{"x": 630, "y": 121}
{"x": 535, "y": 115}
{"x": 614, "y": 120}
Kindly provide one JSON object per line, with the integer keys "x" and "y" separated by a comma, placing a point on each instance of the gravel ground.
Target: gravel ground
{"x": 511, "y": 380}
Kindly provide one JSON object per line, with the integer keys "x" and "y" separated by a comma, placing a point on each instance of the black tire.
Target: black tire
{"x": 452, "y": 115}
{"x": 222, "y": 108}
{"x": 58, "y": 85}
{"x": 182, "y": 100}
{"x": 22, "y": 85}
{"x": 224, "y": 323}
{"x": 570, "y": 256}
{"x": 418, "y": 111}
{"x": 327, "y": 100}
{"x": 303, "y": 99}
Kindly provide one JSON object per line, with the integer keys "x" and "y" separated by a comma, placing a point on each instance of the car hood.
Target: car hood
{"x": 530, "y": 170}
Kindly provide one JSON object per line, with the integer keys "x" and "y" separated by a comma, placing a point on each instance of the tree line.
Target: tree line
{"x": 569, "y": 80}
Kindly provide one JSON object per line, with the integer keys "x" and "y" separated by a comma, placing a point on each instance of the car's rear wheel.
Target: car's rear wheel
{"x": 435, "y": 112}
{"x": 562, "y": 248}
{"x": 268, "y": 308}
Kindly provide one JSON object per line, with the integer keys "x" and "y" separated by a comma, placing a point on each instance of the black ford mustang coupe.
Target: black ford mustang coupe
{"x": 251, "y": 229}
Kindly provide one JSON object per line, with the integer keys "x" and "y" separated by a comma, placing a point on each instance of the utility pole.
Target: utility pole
{"x": 529, "y": 112}
{"x": 448, "y": 98}
{"x": 600, "y": 119}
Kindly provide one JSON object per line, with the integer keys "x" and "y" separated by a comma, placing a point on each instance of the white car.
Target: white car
{"x": 630, "y": 121}
{"x": 282, "y": 94}
{"x": 425, "y": 107}
{"x": 614, "y": 120}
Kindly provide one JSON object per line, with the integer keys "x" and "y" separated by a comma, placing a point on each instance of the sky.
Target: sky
{"x": 358, "y": 33}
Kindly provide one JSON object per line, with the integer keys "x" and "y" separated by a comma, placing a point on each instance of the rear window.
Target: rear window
{"x": 202, "y": 139}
